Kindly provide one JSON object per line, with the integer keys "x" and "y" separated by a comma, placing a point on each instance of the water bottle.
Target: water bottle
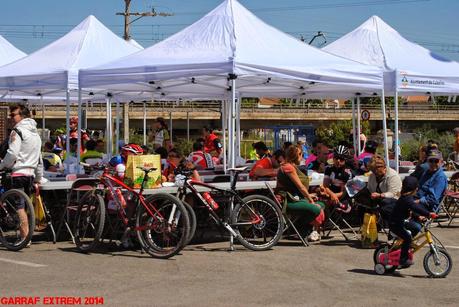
{"x": 210, "y": 200}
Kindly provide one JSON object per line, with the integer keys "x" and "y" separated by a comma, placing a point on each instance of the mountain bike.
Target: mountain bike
{"x": 437, "y": 261}
{"x": 256, "y": 221}
{"x": 160, "y": 220}
{"x": 10, "y": 200}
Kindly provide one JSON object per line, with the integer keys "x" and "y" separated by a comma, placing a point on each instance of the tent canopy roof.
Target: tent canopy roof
{"x": 9, "y": 53}
{"x": 231, "y": 40}
{"x": 419, "y": 70}
{"x": 56, "y": 65}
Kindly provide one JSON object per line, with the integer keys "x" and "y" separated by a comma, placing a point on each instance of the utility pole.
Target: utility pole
{"x": 127, "y": 14}
{"x": 127, "y": 22}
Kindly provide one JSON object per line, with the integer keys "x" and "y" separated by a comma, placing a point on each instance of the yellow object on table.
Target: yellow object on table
{"x": 135, "y": 175}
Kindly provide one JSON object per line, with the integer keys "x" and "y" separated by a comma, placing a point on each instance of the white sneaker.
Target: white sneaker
{"x": 314, "y": 236}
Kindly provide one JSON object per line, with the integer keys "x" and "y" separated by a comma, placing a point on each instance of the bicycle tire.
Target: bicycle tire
{"x": 430, "y": 256}
{"x": 193, "y": 222}
{"x": 9, "y": 220}
{"x": 389, "y": 268}
{"x": 254, "y": 236}
{"x": 93, "y": 203}
{"x": 157, "y": 237}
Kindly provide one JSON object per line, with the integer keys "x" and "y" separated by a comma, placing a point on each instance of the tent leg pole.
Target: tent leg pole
{"x": 187, "y": 126}
{"x": 170, "y": 127}
{"x": 117, "y": 127}
{"x": 79, "y": 131}
{"x": 144, "y": 123}
{"x": 67, "y": 122}
{"x": 383, "y": 106}
{"x": 224, "y": 128}
{"x": 397, "y": 141}
{"x": 358, "y": 127}
{"x": 43, "y": 120}
{"x": 238, "y": 126}
{"x": 353, "y": 127}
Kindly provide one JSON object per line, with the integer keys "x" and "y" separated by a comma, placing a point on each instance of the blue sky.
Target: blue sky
{"x": 31, "y": 24}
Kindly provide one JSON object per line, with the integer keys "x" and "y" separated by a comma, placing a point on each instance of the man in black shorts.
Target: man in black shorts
{"x": 335, "y": 178}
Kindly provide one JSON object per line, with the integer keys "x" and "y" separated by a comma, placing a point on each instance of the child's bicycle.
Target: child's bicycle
{"x": 437, "y": 262}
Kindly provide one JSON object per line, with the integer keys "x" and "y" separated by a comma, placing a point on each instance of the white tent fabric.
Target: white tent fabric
{"x": 9, "y": 53}
{"x": 230, "y": 40}
{"x": 56, "y": 65}
{"x": 409, "y": 67}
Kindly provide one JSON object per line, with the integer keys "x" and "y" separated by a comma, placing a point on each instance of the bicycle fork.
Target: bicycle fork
{"x": 433, "y": 248}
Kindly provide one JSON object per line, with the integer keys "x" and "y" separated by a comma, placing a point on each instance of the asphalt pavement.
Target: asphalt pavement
{"x": 331, "y": 273}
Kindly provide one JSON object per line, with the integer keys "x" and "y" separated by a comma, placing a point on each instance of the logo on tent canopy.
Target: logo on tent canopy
{"x": 404, "y": 81}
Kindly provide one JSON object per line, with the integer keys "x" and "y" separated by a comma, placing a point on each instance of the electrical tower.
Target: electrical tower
{"x": 127, "y": 14}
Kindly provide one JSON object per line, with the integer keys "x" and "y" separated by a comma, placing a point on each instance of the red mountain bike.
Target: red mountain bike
{"x": 161, "y": 221}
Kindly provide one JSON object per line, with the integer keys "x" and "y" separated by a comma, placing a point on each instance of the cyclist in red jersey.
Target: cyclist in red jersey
{"x": 212, "y": 143}
{"x": 200, "y": 159}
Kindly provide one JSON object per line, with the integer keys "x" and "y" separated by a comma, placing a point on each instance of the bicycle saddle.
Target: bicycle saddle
{"x": 147, "y": 169}
{"x": 238, "y": 169}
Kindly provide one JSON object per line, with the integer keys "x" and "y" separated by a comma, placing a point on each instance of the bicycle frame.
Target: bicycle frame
{"x": 109, "y": 181}
{"x": 426, "y": 234}
{"x": 190, "y": 185}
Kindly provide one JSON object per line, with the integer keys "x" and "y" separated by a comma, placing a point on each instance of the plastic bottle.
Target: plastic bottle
{"x": 121, "y": 198}
{"x": 210, "y": 200}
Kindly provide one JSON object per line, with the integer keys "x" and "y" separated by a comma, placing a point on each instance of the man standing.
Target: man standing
{"x": 23, "y": 157}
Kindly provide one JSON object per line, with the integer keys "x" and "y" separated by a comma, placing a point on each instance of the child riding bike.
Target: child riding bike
{"x": 398, "y": 223}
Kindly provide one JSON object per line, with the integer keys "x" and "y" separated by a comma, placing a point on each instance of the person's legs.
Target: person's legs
{"x": 307, "y": 212}
{"x": 413, "y": 226}
{"x": 23, "y": 183}
{"x": 405, "y": 235}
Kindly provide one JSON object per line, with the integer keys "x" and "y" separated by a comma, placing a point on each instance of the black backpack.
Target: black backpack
{"x": 5, "y": 144}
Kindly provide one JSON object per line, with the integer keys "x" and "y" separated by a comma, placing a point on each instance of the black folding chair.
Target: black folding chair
{"x": 288, "y": 222}
{"x": 79, "y": 187}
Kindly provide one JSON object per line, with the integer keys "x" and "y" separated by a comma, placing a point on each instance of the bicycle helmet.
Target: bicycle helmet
{"x": 341, "y": 152}
{"x": 133, "y": 148}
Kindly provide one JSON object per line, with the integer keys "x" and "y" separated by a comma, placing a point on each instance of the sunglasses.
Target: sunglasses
{"x": 12, "y": 115}
{"x": 434, "y": 160}
{"x": 172, "y": 156}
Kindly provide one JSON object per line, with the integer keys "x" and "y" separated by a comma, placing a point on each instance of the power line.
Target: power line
{"x": 321, "y": 6}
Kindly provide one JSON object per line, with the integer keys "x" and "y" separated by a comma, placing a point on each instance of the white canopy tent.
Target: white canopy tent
{"x": 9, "y": 53}
{"x": 229, "y": 54}
{"x": 409, "y": 68}
{"x": 53, "y": 70}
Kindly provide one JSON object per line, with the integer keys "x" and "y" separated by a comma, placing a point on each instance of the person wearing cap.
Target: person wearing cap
{"x": 401, "y": 212}
{"x": 422, "y": 165}
{"x": 384, "y": 185}
{"x": 433, "y": 182}
{"x": 51, "y": 161}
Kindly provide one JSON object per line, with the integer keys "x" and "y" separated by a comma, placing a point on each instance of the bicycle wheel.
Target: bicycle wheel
{"x": 162, "y": 225}
{"x": 258, "y": 221}
{"x": 193, "y": 222}
{"x": 438, "y": 269}
{"x": 10, "y": 233}
{"x": 89, "y": 221}
{"x": 376, "y": 255}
